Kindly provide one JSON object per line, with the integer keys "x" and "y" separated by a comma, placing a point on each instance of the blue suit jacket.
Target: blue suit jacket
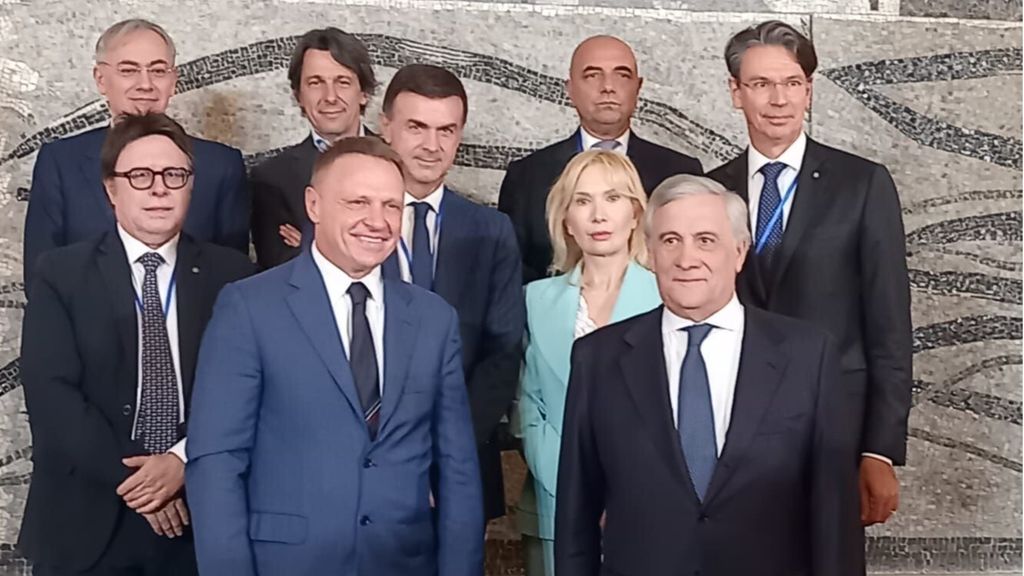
{"x": 68, "y": 203}
{"x": 282, "y": 476}
{"x": 479, "y": 273}
{"x": 551, "y": 306}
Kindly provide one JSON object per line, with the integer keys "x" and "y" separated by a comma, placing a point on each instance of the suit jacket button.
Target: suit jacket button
{"x": 703, "y": 518}
{"x": 365, "y": 521}
{"x": 368, "y": 463}
{"x": 126, "y": 410}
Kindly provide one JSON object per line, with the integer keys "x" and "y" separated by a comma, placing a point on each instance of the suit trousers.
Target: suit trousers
{"x": 135, "y": 550}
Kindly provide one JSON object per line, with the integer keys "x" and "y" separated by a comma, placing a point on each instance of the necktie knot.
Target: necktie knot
{"x": 606, "y": 145}
{"x": 697, "y": 333}
{"x": 358, "y": 293}
{"x": 772, "y": 170}
{"x": 421, "y": 209}
{"x": 151, "y": 261}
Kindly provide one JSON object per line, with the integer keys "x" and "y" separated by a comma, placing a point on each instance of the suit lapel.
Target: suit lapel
{"x": 809, "y": 203}
{"x": 117, "y": 275}
{"x": 92, "y": 175}
{"x": 312, "y": 308}
{"x": 190, "y": 301}
{"x": 456, "y": 248}
{"x": 401, "y": 326}
{"x": 554, "y": 336}
{"x": 390, "y": 268}
{"x": 303, "y": 156}
{"x": 759, "y": 376}
{"x": 638, "y": 153}
{"x": 643, "y": 367}
{"x": 752, "y": 284}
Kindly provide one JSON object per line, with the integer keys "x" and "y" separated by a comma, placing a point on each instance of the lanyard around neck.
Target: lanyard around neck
{"x": 167, "y": 301}
{"x": 435, "y": 241}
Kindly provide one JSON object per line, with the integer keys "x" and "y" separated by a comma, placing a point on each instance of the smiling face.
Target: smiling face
{"x": 136, "y": 74}
{"x": 600, "y": 217}
{"x": 330, "y": 95}
{"x": 426, "y": 133}
{"x": 774, "y": 93}
{"x": 604, "y": 85}
{"x": 154, "y": 215}
{"x": 695, "y": 254}
{"x": 355, "y": 204}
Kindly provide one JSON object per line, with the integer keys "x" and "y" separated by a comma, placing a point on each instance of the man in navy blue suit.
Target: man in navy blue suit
{"x": 135, "y": 73}
{"x": 463, "y": 251}
{"x": 330, "y": 431}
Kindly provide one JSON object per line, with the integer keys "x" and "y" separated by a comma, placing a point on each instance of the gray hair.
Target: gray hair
{"x": 685, "y": 185}
{"x": 126, "y": 27}
{"x": 771, "y": 33}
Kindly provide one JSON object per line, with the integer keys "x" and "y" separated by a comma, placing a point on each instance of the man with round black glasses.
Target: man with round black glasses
{"x": 109, "y": 346}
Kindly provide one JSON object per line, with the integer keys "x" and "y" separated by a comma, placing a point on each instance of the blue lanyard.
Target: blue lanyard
{"x": 775, "y": 216}
{"x": 167, "y": 302}
{"x": 436, "y": 240}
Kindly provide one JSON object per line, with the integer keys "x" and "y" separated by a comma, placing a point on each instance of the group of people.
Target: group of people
{"x": 708, "y": 374}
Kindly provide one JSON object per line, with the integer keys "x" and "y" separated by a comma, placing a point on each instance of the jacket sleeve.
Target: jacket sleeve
{"x": 44, "y": 220}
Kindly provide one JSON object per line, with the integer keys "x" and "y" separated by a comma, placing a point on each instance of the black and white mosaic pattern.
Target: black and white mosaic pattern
{"x": 963, "y": 244}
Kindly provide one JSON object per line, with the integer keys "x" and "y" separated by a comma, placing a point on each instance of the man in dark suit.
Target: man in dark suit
{"x": 704, "y": 430}
{"x": 461, "y": 250}
{"x": 330, "y": 431}
{"x": 332, "y": 80}
{"x": 135, "y": 73}
{"x": 603, "y": 86}
{"x": 109, "y": 346}
{"x": 830, "y": 247}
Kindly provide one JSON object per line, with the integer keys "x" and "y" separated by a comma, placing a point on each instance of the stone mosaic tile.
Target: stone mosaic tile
{"x": 903, "y": 92}
{"x": 979, "y": 9}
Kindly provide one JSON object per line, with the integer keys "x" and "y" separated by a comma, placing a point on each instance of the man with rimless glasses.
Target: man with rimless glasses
{"x": 135, "y": 73}
{"x": 111, "y": 336}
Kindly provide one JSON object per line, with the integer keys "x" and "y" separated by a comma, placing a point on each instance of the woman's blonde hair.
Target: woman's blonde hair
{"x": 622, "y": 176}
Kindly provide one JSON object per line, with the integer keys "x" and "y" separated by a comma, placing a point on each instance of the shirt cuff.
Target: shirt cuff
{"x": 179, "y": 450}
{"x": 864, "y": 454}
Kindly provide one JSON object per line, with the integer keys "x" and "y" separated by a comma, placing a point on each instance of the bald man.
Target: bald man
{"x": 603, "y": 85}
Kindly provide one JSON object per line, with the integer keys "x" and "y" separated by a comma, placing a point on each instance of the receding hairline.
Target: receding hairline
{"x": 601, "y": 38}
{"x": 121, "y": 30}
{"x": 318, "y": 174}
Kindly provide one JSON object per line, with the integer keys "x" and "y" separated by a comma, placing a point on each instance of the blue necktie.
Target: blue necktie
{"x": 422, "y": 269}
{"x": 362, "y": 358}
{"x": 696, "y": 416}
{"x": 769, "y": 202}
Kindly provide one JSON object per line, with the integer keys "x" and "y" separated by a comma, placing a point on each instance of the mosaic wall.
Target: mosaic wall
{"x": 932, "y": 89}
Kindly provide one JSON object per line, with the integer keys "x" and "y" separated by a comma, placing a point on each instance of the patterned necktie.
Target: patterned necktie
{"x": 768, "y": 204}
{"x": 422, "y": 268}
{"x": 158, "y": 411}
{"x": 606, "y": 145}
{"x": 363, "y": 359}
{"x": 696, "y": 416}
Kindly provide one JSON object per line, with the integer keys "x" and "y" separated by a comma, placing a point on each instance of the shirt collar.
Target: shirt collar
{"x": 792, "y": 157}
{"x": 730, "y": 317}
{"x": 589, "y": 140}
{"x": 135, "y": 249}
{"x": 322, "y": 144}
{"x": 337, "y": 280}
{"x": 434, "y": 198}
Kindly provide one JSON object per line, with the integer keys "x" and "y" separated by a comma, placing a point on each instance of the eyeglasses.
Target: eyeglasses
{"x": 762, "y": 86}
{"x": 142, "y": 178}
{"x": 132, "y": 71}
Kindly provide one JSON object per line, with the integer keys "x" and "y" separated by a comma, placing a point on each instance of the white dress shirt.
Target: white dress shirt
{"x": 793, "y": 158}
{"x": 721, "y": 350}
{"x": 409, "y": 222}
{"x": 169, "y": 251}
{"x": 589, "y": 140}
{"x": 337, "y": 282}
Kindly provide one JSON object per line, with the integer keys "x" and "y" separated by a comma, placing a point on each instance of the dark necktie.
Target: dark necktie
{"x": 422, "y": 269}
{"x": 696, "y": 416}
{"x": 158, "y": 410}
{"x": 363, "y": 359}
{"x": 768, "y": 204}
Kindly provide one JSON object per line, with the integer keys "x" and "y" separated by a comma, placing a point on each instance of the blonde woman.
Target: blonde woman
{"x": 594, "y": 213}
